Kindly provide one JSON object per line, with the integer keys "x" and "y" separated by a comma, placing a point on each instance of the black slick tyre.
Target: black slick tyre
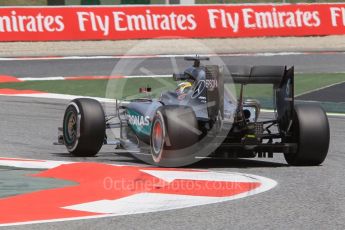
{"x": 174, "y": 132}
{"x": 84, "y": 127}
{"x": 311, "y": 133}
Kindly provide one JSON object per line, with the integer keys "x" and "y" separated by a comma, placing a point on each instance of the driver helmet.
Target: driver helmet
{"x": 183, "y": 88}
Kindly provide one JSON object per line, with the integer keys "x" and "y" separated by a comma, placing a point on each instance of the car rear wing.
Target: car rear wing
{"x": 256, "y": 74}
{"x": 282, "y": 79}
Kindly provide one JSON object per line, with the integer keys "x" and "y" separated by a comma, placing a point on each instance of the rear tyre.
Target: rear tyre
{"x": 84, "y": 127}
{"x": 311, "y": 133}
{"x": 174, "y": 132}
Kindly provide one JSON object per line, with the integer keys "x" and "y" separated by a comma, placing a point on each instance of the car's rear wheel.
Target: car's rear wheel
{"x": 84, "y": 127}
{"x": 174, "y": 131}
{"x": 311, "y": 133}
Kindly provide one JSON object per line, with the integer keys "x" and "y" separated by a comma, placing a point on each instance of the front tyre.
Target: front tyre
{"x": 311, "y": 133}
{"x": 84, "y": 127}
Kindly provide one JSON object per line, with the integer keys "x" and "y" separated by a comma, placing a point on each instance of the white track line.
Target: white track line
{"x": 41, "y": 78}
{"x": 31, "y": 163}
{"x": 58, "y": 78}
{"x": 328, "y": 114}
{"x": 58, "y": 96}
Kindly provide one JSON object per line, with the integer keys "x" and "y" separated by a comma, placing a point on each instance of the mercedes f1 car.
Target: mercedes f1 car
{"x": 202, "y": 119}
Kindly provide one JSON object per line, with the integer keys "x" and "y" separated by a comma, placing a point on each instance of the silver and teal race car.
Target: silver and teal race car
{"x": 202, "y": 118}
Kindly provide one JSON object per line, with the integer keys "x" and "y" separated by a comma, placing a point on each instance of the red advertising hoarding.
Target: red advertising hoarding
{"x": 138, "y": 22}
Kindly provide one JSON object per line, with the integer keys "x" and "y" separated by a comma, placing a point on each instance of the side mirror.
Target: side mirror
{"x": 145, "y": 89}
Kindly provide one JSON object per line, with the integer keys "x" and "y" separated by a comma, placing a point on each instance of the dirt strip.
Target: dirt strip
{"x": 173, "y": 46}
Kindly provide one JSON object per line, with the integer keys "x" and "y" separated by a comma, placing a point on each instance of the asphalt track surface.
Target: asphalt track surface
{"x": 306, "y": 63}
{"x": 305, "y": 197}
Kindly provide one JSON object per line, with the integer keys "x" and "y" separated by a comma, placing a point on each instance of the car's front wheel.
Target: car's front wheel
{"x": 84, "y": 127}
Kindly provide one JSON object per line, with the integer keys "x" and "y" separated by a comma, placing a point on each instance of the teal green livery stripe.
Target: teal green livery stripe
{"x": 139, "y": 123}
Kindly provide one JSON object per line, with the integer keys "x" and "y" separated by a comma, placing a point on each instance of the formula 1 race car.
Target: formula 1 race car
{"x": 202, "y": 119}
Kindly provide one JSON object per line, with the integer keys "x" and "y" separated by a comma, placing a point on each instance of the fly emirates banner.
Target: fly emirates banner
{"x": 137, "y": 22}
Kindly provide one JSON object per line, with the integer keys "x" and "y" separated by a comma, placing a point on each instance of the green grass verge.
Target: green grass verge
{"x": 303, "y": 83}
{"x": 119, "y": 88}
{"x": 23, "y": 2}
{"x": 129, "y": 88}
